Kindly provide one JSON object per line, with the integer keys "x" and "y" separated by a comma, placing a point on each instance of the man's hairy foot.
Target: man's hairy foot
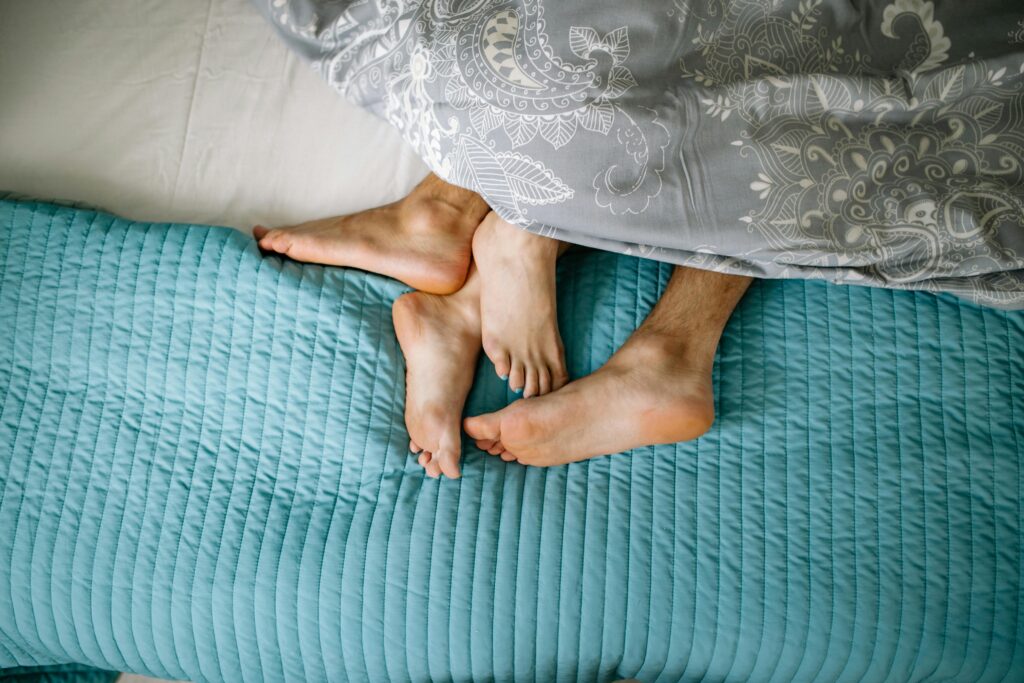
{"x": 517, "y": 306}
{"x": 440, "y": 338}
{"x": 424, "y": 240}
{"x": 648, "y": 393}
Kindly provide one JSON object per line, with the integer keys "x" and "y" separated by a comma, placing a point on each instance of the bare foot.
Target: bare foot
{"x": 648, "y": 393}
{"x": 424, "y": 240}
{"x": 517, "y": 306}
{"x": 440, "y": 338}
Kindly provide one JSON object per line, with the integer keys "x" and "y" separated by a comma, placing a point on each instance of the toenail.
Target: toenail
{"x": 503, "y": 378}
{"x": 518, "y": 391}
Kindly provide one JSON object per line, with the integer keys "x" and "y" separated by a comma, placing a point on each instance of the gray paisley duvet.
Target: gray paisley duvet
{"x": 875, "y": 142}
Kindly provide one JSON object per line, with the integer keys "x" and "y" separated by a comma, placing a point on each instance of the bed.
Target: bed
{"x": 186, "y": 111}
{"x": 200, "y": 485}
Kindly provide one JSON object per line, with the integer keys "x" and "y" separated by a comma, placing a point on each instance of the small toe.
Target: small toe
{"x": 413, "y": 448}
{"x": 507, "y": 457}
{"x": 484, "y": 444}
{"x": 260, "y": 231}
{"x": 517, "y": 377}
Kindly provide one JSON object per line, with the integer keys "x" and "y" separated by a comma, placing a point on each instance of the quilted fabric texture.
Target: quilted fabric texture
{"x": 205, "y": 477}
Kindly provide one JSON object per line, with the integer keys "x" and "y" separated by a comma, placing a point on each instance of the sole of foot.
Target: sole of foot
{"x": 440, "y": 339}
{"x": 422, "y": 241}
{"x": 518, "y": 306}
{"x": 644, "y": 395}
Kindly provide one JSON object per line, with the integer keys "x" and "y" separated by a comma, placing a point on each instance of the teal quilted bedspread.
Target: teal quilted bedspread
{"x": 204, "y": 476}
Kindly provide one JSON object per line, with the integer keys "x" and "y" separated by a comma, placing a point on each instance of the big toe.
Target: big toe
{"x": 483, "y": 427}
{"x": 449, "y": 453}
{"x": 449, "y": 462}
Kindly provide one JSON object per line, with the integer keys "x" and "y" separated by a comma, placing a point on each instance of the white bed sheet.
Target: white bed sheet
{"x": 182, "y": 110}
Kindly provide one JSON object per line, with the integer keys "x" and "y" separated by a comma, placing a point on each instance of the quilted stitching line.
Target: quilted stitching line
{"x": 323, "y": 454}
{"x": 160, "y": 422}
{"x": 261, "y": 265}
{"x": 380, "y": 480}
{"x": 33, "y": 440}
{"x": 358, "y": 476}
{"x": 218, "y": 537}
{"x": 870, "y": 659}
{"x": 178, "y": 441}
{"x": 785, "y": 488}
{"x": 924, "y": 487}
{"x": 1020, "y": 546}
{"x": 277, "y": 474}
{"x": 128, "y": 229}
{"x": 830, "y": 541}
{"x": 10, "y": 464}
{"x": 309, "y": 523}
{"x": 78, "y": 423}
{"x": 995, "y": 524}
{"x": 810, "y": 516}
{"x": 62, "y": 497}
{"x": 393, "y": 410}
{"x": 970, "y": 497}
{"x": 740, "y": 328}
{"x": 853, "y": 449}
{"x": 99, "y": 426}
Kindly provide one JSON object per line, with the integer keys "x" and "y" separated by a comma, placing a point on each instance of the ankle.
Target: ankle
{"x": 510, "y": 237}
{"x": 426, "y": 216}
{"x": 465, "y": 202}
{"x": 670, "y": 353}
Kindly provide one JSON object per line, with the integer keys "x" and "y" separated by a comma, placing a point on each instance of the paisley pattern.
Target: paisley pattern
{"x": 909, "y": 178}
{"x": 1016, "y": 35}
{"x": 791, "y": 138}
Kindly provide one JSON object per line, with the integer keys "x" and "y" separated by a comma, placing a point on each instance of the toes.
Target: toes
{"x": 413, "y": 448}
{"x": 543, "y": 381}
{"x": 559, "y": 376}
{"x": 482, "y": 427}
{"x": 449, "y": 463}
{"x": 490, "y": 446}
{"x": 517, "y": 377}
{"x": 507, "y": 457}
{"x": 260, "y": 231}
{"x": 433, "y": 467}
{"x": 531, "y": 387}
{"x": 278, "y": 241}
{"x": 268, "y": 240}
{"x": 499, "y": 356}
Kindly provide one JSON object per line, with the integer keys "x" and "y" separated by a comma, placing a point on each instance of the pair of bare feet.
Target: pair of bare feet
{"x": 484, "y": 283}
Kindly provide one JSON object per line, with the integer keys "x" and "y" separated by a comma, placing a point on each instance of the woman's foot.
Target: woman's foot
{"x": 648, "y": 393}
{"x": 517, "y": 306}
{"x": 424, "y": 240}
{"x": 440, "y": 338}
